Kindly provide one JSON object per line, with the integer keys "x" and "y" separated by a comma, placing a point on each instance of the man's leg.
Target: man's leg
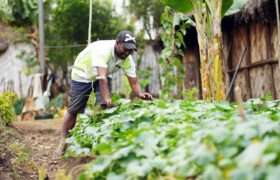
{"x": 69, "y": 123}
{"x": 79, "y": 94}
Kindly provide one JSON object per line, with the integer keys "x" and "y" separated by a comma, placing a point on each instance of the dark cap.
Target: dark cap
{"x": 127, "y": 38}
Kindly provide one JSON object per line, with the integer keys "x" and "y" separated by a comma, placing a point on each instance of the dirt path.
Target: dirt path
{"x": 42, "y": 137}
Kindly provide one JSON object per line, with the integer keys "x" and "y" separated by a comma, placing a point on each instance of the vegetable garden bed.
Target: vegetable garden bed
{"x": 180, "y": 140}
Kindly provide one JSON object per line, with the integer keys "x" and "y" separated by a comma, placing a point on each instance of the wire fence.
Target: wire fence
{"x": 66, "y": 46}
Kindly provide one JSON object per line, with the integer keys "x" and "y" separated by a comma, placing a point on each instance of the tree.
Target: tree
{"x": 146, "y": 9}
{"x": 67, "y": 24}
{"x": 208, "y": 16}
{"x": 19, "y": 12}
{"x": 22, "y": 15}
{"x": 174, "y": 28}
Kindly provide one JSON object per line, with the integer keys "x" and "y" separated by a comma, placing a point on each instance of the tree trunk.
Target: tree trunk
{"x": 200, "y": 19}
{"x": 216, "y": 52}
{"x": 211, "y": 57}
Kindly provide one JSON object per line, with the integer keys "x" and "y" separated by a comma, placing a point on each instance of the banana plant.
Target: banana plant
{"x": 208, "y": 15}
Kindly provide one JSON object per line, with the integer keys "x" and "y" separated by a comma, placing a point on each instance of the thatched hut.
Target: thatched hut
{"x": 252, "y": 33}
{"x": 250, "y": 47}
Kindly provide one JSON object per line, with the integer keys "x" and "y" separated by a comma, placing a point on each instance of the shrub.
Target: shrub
{"x": 7, "y": 112}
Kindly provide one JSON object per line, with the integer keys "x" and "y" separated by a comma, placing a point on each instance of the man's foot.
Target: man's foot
{"x": 60, "y": 150}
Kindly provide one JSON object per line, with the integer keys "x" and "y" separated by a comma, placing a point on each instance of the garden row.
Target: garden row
{"x": 180, "y": 139}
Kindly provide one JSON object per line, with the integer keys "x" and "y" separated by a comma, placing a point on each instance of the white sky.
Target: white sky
{"x": 118, "y": 4}
{"x": 119, "y": 7}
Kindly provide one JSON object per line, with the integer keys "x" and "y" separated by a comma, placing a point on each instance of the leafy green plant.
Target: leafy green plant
{"x": 179, "y": 140}
{"x": 21, "y": 153}
{"x": 31, "y": 62}
{"x": 191, "y": 94}
{"x": 18, "y": 105}
{"x": 174, "y": 27}
{"x": 208, "y": 15}
{"x": 15, "y": 153}
{"x": 67, "y": 24}
{"x": 19, "y": 12}
{"x": 144, "y": 75}
{"x": 145, "y": 10}
{"x": 7, "y": 112}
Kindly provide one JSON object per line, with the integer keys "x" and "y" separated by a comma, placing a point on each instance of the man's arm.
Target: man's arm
{"x": 135, "y": 86}
{"x": 103, "y": 84}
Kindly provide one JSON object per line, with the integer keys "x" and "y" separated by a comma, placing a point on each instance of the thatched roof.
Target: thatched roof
{"x": 256, "y": 10}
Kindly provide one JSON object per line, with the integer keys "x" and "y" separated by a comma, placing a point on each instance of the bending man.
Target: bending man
{"x": 91, "y": 70}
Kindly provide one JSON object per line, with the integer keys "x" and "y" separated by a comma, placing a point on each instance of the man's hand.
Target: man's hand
{"x": 107, "y": 103}
{"x": 145, "y": 96}
{"x": 135, "y": 86}
{"x": 104, "y": 89}
{"x": 104, "y": 106}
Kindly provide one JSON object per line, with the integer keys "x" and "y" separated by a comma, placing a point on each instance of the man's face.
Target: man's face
{"x": 121, "y": 51}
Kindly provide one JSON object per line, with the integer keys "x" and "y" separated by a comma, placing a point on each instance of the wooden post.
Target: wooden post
{"x": 90, "y": 21}
{"x": 20, "y": 85}
{"x": 41, "y": 36}
{"x": 248, "y": 60}
{"x": 238, "y": 96}
{"x": 278, "y": 31}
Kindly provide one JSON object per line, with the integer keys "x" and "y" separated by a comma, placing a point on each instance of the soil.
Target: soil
{"x": 13, "y": 157}
{"x": 41, "y": 137}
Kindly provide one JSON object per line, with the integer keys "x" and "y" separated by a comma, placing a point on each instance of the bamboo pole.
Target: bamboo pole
{"x": 90, "y": 21}
{"x": 235, "y": 72}
{"x": 239, "y": 100}
{"x": 41, "y": 37}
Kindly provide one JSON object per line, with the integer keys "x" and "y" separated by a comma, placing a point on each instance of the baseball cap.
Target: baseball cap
{"x": 127, "y": 38}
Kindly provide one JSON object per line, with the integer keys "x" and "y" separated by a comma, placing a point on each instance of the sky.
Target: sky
{"x": 118, "y": 4}
{"x": 119, "y": 7}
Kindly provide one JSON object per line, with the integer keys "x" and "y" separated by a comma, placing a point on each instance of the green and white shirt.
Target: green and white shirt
{"x": 100, "y": 54}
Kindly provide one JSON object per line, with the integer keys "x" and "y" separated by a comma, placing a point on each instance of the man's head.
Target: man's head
{"x": 125, "y": 44}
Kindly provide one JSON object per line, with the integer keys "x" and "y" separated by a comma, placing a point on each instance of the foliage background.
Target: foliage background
{"x": 19, "y": 12}
{"x": 67, "y": 24}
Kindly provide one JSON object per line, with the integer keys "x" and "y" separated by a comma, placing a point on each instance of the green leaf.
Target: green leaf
{"x": 203, "y": 155}
{"x": 101, "y": 163}
{"x": 251, "y": 156}
{"x": 103, "y": 148}
{"x": 232, "y": 6}
{"x": 182, "y": 138}
{"x": 176, "y": 19}
{"x": 184, "y": 6}
{"x": 147, "y": 142}
{"x": 114, "y": 176}
{"x": 226, "y": 5}
{"x": 212, "y": 173}
{"x": 138, "y": 168}
{"x": 274, "y": 173}
{"x": 241, "y": 174}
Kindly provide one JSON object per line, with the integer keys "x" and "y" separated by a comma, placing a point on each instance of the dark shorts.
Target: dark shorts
{"x": 79, "y": 94}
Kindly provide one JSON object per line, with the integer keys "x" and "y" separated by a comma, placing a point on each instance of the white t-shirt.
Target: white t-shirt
{"x": 100, "y": 54}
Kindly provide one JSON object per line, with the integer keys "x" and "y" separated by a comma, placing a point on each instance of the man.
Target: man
{"x": 91, "y": 70}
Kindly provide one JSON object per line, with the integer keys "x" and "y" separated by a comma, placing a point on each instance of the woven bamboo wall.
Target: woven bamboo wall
{"x": 258, "y": 74}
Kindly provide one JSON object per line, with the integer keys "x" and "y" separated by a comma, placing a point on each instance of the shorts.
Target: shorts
{"x": 80, "y": 92}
